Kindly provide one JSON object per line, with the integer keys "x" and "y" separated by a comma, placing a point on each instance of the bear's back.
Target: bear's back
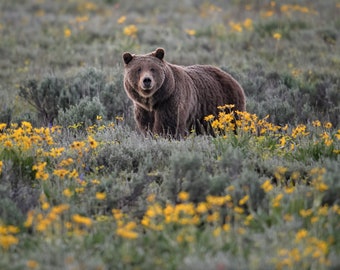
{"x": 215, "y": 88}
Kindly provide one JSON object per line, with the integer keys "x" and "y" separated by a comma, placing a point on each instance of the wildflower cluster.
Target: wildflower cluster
{"x": 307, "y": 246}
{"x": 229, "y": 121}
{"x": 24, "y": 137}
{"x": 48, "y": 221}
{"x": 247, "y": 24}
{"x": 183, "y": 219}
{"x": 52, "y": 221}
{"x": 287, "y": 138}
{"x": 130, "y": 30}
{"x": 286, "y": 9}
{"x": 208, "y": 9}
{"x": 7, "y": 236}
{"x": 125, "y": 229}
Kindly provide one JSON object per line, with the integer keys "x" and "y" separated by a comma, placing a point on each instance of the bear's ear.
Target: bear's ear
{"x": 159, "y": 53}
{"x": 127, "y": 57}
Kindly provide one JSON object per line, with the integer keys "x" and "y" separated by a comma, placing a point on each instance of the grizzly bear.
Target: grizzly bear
{"x": 171, "y": 99}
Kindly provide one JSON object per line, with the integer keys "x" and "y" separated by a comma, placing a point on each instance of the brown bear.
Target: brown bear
{"x": 171, "y": 99}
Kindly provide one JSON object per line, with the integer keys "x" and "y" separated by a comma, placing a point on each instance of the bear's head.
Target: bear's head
{"x": 145, "y": 73}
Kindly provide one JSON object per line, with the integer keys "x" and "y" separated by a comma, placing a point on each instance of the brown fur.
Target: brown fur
{"x": 172, "y": 99}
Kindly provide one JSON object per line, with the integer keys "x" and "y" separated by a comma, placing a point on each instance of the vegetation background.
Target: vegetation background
{"x": 80, "y": 189}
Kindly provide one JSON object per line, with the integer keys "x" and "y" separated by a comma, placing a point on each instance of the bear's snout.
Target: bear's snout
{"x": 147, "y": 83}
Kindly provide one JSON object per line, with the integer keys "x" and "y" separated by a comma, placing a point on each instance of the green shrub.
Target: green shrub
{"x": 114, "y": 98}
{"x": 43, "y": 96}
{"x": 84, "y": 113}
{"x": 89, "y": 82}
{"x": 287, "y": 99}
{"x": 59, "y": 99}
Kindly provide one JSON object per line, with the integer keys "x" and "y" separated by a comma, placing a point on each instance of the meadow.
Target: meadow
{"x": 80, "y": 188}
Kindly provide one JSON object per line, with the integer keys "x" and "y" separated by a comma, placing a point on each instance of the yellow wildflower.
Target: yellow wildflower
{"x": 39, "y": 168}
{"x": 268, "y": 13}
{"x": 56, "y": 152}
{"x": 282, "y": 141}
{"x": 8, "y": 240}
{"x": 300, "y": 130}
{"x": 216, "y": 200}
{"x": 58, "y": 209}
{"x": 12, "y": 229}
{"x": 61, "y": 173}
{"x": 82, "y": 220}
{"x": 202, "y": 208}
{"x": 67, "y": 32}
{"x": 248, "y": 24}
{"x": 323, "y": 211}
{"x": 243, "y": 200}
{"x": 67, "y": 192}
{"x": 327, "y": 125}
{"x": 301, "y": 234}
{"x": 226, "y": 227}
{"x": 126, "y": 231}
{"x": 183, "y": 196}
{"x": 316, "y": 123}
{"x": 267, "y": 186}
{"x": 79, "y": 190}
{"x": 295, "y": 175}
{"x": 32, "y": 264}
{"x": 248, "y": 220}
{"x": 320, "y": 186}
{"x": 73, "y": 174}
{"x": 305, "y": 213}
{"x": 208, "y": 118}
{"x": 95, "y": 182}
{"x": 314, "y": 219}
{"x": 288, "y": 217}
{"x": 100, "y": 196}
{"x": 77, "y": 145}
{"x": 81, "y": 19}
{"x": 93, "y": 143}
{"x": 217, "y": 231}
{"x": 238, "y": 210}
{"x": 337, "y": 135}
{"x": 190, "y": 32}
{"x": 121, "y": 19}
{"x": 289, "y": 190}
{"x": 130, "y": 30}
{"x": 117, "y": 214}
{"x": 8, "y": 144}
{"x": 213, "y": 217}
{"x": 119, "y": 118}
{"x": 235, "y": 27}
{"x": 276, "y": 201}
{"x": 241, "y": 231}
{"x": 29, "y": 220}
{"x": 280, "y": 171}
{"x": 151, "y": 198}
{"x": 277, "y": 36}
{"x": 45, "y": 206}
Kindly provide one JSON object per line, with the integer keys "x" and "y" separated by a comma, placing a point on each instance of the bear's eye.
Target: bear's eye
{"x": 139, "y": 70}
{"x": 152, "y": 69}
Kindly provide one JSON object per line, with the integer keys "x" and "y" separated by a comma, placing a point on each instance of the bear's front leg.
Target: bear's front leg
{"x": 169, "y": 123}
{"x": 144, "y": 119}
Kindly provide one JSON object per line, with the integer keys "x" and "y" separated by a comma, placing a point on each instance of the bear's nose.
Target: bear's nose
{"x": 147, "y": 81}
